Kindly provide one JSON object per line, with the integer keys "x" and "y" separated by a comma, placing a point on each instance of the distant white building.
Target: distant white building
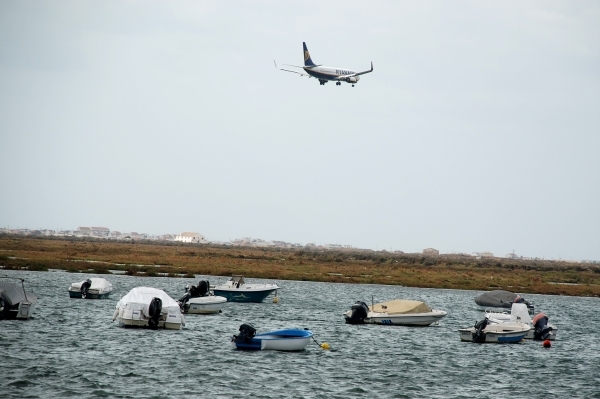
{"x": 431, "y": 251}
{"x": 196, "y": 238}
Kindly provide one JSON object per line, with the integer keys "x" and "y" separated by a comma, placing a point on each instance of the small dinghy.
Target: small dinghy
{"x": 197, "y": 299}
{"x": 501, "y": 299}
{"x": 540, "y": 330}
{"x": 149, "y": 307}
{"x": 15, "y": 302}
{"x": 92, "y": 288}
{"x": 397, "y": 312}
{"x": 486, "y": 332}
{"x": 279, "y": 340}
{"x": 236, "y": 290}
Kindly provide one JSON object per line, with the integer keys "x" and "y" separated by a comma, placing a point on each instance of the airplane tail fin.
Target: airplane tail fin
{"x": 307, "y": 61}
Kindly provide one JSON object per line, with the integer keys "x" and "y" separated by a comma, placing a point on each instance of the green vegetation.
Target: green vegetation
{"x": 348, "y": 266}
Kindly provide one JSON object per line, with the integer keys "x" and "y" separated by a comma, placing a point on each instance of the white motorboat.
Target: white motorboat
{"x": 149, "y": 307}
{"x": 236, "y": 290}
{"x": 397, "y": 312}
{"x": 280, "y": 340}
{"x": 519, "y": 312}
{"x": 197, "y": 299}
{"x": 488, "y": 332}
{"x": 91, "y": 288}
{"x": 15, "y": 302}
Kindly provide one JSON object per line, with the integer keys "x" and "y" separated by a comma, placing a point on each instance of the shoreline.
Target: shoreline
{"x": 345, "y": 266}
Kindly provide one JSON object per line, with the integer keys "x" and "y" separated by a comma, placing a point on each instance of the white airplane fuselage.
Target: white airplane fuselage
{"x": 329, "y": 73}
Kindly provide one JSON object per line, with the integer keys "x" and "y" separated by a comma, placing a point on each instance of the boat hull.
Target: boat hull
{"x": 135, "y": 318}
{"x": 283, "y": 340}
{"x": 497, "y": 333}
{"x": 20, "y": 311}
{"x": 244, "y": 294}
{"x": 409, "y": 319}
{"x": 90, "y": 294}
{"x": 205, "y": 305}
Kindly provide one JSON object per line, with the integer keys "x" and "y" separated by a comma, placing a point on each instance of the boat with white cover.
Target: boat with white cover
{"x": 485, "y": 331}
{"x": 236, "y": 290}
{"x": 91, "y": 288}
{"x": 398, "y": 312}
{"x": 280, "y": 340}
{"x": 540, "y": 330}
{"x": 197, "y": 299}
{"x": 15, "y": 302}
{"x": 148, "y": 307}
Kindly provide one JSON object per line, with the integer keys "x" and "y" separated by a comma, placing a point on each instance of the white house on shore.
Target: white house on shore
{"x": 196, "y": 238}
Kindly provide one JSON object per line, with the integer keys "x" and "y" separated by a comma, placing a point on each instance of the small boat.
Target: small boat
{"x": 236, "y": 290}
{"x": 540, "y": 330}
{"x": 148, "y": 307}
{"x": 279, "y": 340}
{"x": 91, "y": 288}
{"x": 486, "y": 331}
{"x": 197, "y": 299}
{"x": 501, "y": 299}
{"x": 397, "y": 312}
{"x": 15, "y": 302}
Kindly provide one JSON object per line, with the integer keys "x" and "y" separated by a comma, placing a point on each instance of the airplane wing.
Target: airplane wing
{"x": 362, "y": 73}
{"x": 287, "y": 70}
{"x": 344, "y": 77}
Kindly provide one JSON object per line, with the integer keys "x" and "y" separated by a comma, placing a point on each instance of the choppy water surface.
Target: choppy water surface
{"x": 71, "y": 348}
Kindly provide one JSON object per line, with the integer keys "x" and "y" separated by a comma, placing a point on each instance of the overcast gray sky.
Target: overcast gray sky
{"x": 479, "y": 129}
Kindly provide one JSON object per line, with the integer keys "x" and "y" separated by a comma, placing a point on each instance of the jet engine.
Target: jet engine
{"x": 352, "y": 79}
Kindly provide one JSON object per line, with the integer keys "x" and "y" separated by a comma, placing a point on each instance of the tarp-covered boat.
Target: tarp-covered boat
{"x": 15, "y": 302}
{"x": 149, "y": 307}
{"x": 280, "y": 340}
{"x": 91, "y": 288}
{"x": 398, "y": 312}
{"x": 501, "y": 299}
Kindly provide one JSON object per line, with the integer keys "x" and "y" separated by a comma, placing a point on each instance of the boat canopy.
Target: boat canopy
{"x": 13, "y": 293}
{"x": 400, "y": 306}
{"x": 497, "y": 299}
{"x": 97, "y": 284}
{"x": 140, "y": 298}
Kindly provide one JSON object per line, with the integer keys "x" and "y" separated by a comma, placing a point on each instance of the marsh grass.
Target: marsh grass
{"x": 413, "y": 270}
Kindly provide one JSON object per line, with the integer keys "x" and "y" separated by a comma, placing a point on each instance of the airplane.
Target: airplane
{"x": 325, "y": 74}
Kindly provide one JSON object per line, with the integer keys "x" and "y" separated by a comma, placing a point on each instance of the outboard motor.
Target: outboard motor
{"x": 540, "y": 323}
{"x": 360, "y": 310}
{"x": 154, "y": 312}
{"x": 203, "y": 287}
{"x": 183, "y": 300}
{"x": 85, "y": 286}
{"x": 479, "y": 327}
{"x": 246, "y": 334}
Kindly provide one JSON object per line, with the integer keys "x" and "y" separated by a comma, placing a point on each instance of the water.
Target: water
{"x": 71, "y": 348}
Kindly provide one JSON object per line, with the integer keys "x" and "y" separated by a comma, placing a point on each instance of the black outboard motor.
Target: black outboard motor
{"x": 479, "y": 327}
{"x": 85, "y": 286}
{"x": 183, "y": 300}
{"x": 154, "y": 312}
{"x": 360, "y": 310}
{"x": 542, "y": 331}
{"x": 203, "y": 287}
{"x": 246, "y": 334}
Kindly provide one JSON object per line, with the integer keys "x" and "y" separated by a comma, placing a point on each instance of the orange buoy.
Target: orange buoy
{"x": 547, "y": 343}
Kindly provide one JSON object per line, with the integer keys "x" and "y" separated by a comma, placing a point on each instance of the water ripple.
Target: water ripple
{"x": 71, "y": 348}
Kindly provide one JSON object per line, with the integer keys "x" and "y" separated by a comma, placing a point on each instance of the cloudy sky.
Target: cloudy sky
{"x": 479, "y": 129}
